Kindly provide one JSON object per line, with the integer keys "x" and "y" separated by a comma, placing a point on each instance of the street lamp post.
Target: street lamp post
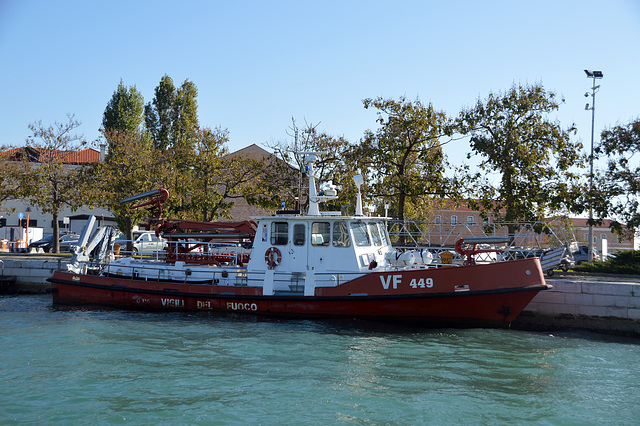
{"x": 593, "y": 75}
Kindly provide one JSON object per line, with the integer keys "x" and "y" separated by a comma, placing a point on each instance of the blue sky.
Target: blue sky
{"x": 257, "y": 64}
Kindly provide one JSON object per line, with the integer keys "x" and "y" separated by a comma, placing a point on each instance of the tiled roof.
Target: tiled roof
{"x": 83, "y": 156}
{"x": 251, "y": 151}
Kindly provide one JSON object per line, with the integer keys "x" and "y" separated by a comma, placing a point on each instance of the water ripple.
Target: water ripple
{"x": 65, "y": 366}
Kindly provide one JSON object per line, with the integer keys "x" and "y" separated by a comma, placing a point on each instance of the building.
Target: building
{"x": 600, "y": 233}
{"x": 454, "y": 220}
{"x": 68, "y": 221}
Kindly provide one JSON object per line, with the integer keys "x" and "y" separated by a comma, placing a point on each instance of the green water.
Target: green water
{"x": 118, "y": 367}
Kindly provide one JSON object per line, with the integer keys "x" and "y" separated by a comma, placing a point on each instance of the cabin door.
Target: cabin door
{"x": 298, "y": 248}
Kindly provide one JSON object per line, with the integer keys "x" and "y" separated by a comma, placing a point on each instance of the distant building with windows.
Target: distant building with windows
{"x": 458, "y": 219}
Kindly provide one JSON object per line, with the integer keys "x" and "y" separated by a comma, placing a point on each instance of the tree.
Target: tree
{"x": 332, "y": 164}
{"x": 131, "y": 165}
{"x": 172, "y": 116}
{"x": 532, "y": 157}
{"x": 404, "y": 159}
{"x": 124, "y": 112}
{"x": 128, "y": 169}
{"x": 51, "y": 182}
{"x": 159, "y": 113}
{"x": 206, "y": 197}
{"x": 619, "y": 189}
{"x": 172, "y": 121}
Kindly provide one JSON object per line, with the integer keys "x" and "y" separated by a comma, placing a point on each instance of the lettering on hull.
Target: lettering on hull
{"x": 141, "y": 300}
{"x": 237, "y": 306}
{"x": 393, "y": 281}
{"x": 204, "y": 304}
{"x": 172, "y": 302}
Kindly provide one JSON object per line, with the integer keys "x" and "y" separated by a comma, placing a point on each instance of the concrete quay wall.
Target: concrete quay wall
{"x": 603, "y": 304}
{"x": 30, "y": 274}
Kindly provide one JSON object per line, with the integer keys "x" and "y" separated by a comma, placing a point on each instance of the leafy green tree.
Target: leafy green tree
{"x": 131, "y": 165}
{"x": 172, "y": 116}
{"x": 159, "y": 114}
{"x": 51, "y": 182}
{"x": 166, "y": 148}
{"x": 528, "y": 163}
{"x": 172, "y": 121}
{"x": 126, "y": 170}
{"x": 404, "y": 159}
{"x": 124, "y": 112}
{"x": 206, "y": 196}
{"x": 186, "y": 115}
{"x": 618, "y": 191}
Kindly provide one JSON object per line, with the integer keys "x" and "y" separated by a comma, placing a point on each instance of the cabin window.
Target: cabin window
{"x": 360, "y": 235}
{"x": 279, "y": 233}
{"x": 341, "y": 234}
{"x": 375, "y": 234}
{"x": 320, "y": 233}
{"x": 298, "y": 234}
{"x": 383, "y": 233}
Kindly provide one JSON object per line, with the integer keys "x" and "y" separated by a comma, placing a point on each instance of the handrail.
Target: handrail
{"x": 440, "y": 235}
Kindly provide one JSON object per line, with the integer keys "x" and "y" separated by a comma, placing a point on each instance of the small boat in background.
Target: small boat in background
{"x": 314, "y": 265}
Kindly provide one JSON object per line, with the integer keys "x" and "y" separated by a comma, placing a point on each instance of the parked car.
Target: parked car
{"x": 46, "y": 244}
{"x": 580, "y": 254}
{"x": 143, "y": 242}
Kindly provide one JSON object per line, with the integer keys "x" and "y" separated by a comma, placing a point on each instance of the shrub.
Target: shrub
{"x": 625, "y": 262}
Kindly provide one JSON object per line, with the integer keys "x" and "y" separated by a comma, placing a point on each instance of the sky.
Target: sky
{"x": 258, "y": 64}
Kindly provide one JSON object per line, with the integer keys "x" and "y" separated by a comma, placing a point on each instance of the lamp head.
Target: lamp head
{"x": 358, "y": 180}
{"x": 593, "y": 74}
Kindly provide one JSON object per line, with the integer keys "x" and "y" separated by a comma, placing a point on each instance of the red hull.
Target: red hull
{"x": 492, "y": 295}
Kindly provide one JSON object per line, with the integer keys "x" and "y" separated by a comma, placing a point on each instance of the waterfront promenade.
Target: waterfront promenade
{"x": 601, "y": 303}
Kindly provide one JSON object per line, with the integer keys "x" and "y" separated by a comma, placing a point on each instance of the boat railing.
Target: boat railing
{"x": 208, "y": 253}
{"x": 441, "y": 236}
{"x": 147, "y": 272}
{"x": 120, "y": 250}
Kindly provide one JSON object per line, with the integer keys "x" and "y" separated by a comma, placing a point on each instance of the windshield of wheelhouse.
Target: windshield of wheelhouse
{"x": 341, "y": 236}
{"x": 360, "y": 234}
{"x": 384, "y": 233}
{"x": 375, "y": 234}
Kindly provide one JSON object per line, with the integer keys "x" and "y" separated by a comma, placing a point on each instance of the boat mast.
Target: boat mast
{"x": 328, "y": 188}
{"x": 358, "y": 180}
